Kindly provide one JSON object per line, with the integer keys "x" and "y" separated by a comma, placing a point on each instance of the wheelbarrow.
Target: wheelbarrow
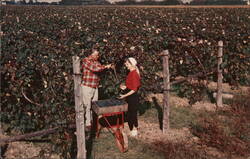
{"x": 112, "y": 108}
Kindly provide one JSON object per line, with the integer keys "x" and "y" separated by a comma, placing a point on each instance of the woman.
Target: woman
{"x": 130, "y": 94}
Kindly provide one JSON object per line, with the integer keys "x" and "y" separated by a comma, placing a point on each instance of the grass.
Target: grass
{"x": 182, "y": 117}
{"x": 105, "y": 148}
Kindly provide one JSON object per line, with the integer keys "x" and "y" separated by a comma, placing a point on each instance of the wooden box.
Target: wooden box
{"x": 109, "y": 106}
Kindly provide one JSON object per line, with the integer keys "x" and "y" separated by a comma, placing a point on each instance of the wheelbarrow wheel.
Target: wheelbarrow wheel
{"x": 121, "y": 140}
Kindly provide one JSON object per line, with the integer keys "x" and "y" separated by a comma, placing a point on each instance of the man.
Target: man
{"x": 90, "y": 82}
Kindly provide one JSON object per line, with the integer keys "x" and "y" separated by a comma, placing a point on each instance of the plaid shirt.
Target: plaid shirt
{"x": 90, "y": 68}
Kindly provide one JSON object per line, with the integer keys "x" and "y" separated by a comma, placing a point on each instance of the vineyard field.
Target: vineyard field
{"x": 38, "y": 42}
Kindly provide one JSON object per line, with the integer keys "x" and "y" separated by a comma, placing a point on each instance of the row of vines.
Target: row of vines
{"x": 38, "y": 42}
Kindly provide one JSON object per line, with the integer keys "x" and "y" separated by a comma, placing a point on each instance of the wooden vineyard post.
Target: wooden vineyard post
{"x": 80, "y": 132}
{"x": 219, "y": 102}
{"x": 166, "y": 80}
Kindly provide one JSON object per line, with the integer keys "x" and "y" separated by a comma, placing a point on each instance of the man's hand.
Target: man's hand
{"x": 108, "y": 66}
{"x": 112, "y": 66}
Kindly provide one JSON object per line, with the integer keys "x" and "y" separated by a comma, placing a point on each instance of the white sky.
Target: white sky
{"x": 49, "y": 1}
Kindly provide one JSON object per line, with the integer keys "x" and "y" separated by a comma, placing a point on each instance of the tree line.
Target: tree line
{"x": 133, "y": 2}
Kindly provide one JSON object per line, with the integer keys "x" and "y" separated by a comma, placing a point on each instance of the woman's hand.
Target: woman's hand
{"x": 122, "y": 87}
{"x": 122, "y": 96}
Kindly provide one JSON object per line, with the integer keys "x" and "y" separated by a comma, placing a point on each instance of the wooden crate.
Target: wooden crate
{"x": 109, "y": 106}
